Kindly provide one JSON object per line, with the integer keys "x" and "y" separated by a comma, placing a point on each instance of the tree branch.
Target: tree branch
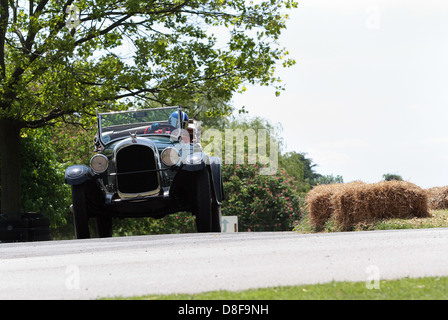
{"x": 130, "y": 94}
{"x": 4, "y": 19}
{"x": 54, "y": 114}
{"x": 104, "y": 31}
{"x": 32, "y": 30}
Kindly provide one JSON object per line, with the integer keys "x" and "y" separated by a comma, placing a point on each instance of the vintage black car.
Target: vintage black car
{"x": 149, "y": 163}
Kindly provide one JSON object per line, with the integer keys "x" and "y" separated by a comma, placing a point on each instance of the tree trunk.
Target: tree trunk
{"x": 11, "y": 204}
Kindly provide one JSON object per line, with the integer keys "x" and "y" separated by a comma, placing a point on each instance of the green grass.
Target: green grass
{"x": 438, "y": 219}
{"x": 434, "y": 288}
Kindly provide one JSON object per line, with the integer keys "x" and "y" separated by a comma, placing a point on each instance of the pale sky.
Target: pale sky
{"x": 368, "y": 94}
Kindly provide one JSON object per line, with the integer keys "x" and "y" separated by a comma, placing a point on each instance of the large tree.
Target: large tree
{"x": 62, "y": 59}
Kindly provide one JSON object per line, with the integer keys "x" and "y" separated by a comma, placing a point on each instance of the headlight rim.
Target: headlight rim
{"x": 173, "y": 163}
{"x": 92, "y": 164}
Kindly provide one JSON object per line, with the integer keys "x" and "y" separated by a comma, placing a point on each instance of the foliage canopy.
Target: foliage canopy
{"x": 164, "y": 51}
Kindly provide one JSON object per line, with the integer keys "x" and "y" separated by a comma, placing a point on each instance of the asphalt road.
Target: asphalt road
{"x": 88, "y": 269}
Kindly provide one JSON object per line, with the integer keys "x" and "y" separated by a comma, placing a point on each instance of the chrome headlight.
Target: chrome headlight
{"x": 99, "y": 163}
{"x": 170, "y": 157}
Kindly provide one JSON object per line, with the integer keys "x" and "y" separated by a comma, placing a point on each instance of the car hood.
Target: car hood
{"x": 161, "y": 142}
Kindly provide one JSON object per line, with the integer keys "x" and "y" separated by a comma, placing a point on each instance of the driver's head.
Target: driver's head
{"x": 173, "y": 119}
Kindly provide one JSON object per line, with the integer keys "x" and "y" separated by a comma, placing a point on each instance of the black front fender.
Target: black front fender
{"x": 194, "y": 162}
{"x": 78, "y": 174}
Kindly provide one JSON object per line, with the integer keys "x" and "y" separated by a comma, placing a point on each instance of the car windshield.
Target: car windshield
{"x": 116, "y": 125}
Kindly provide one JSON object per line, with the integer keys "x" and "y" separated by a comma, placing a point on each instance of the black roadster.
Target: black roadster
{"x": 146, "y": 165}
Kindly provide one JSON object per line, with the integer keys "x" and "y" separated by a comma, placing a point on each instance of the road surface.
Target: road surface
{"x": 190, "y": 263}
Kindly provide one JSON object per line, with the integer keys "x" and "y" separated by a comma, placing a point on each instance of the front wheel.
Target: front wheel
{"x": 203, "y": 202}
{"x": 216, "y": 217}
{"x": 80, "y": 212}
{"x": 104, "y": 227}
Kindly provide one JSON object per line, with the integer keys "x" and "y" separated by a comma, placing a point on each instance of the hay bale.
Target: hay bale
{"x": 320, "y": 202}
{"x": 320, "y": 207}
{"x": 346, "y": 203}
{"x": 357, "y": 202}
{"x": 371, "y": 202}
{"x": 438, "y": 198}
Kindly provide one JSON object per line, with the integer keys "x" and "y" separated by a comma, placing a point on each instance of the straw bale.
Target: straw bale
{"x": 438, "y": 198}
{"x": 320, "y": 202}
{"x": 371, "y": 202}
{"x": 357, "y": 202}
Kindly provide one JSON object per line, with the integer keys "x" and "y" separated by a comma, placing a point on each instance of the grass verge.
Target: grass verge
{"x": 431, "y": 288}
{"x": 438, "y": 219}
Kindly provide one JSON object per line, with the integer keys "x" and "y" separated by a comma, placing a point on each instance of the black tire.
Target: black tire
{"x": 39, "y": 226}
{"x": 39, "y": 234}
{"x": 10, "y": 224}
{"x": 216, "y": 217}
{"x": 37, "y": 220}
{"x": 203, "y": 202}
{"x": 80, "y": 212}
{"x": 14, "y": 235}
{"x": 14, "y": 230}
{"x": 41, "y": 237}
{"x": 32, "y": 215}
{"x": 104, "y": 227}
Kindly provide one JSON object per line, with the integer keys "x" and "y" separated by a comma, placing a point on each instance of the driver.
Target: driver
{"x": 173, "y": 123}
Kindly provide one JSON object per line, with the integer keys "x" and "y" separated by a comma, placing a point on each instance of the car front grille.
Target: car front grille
{"x": 136, "y": 165}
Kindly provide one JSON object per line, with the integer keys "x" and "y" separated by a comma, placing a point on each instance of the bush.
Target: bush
{"x": 261, "y": 202}
{"x": 43, "y": 187}
{"x": 392, "y": 176}
{"x": 182, "y": 222}
{"x": 73, "y": 144}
